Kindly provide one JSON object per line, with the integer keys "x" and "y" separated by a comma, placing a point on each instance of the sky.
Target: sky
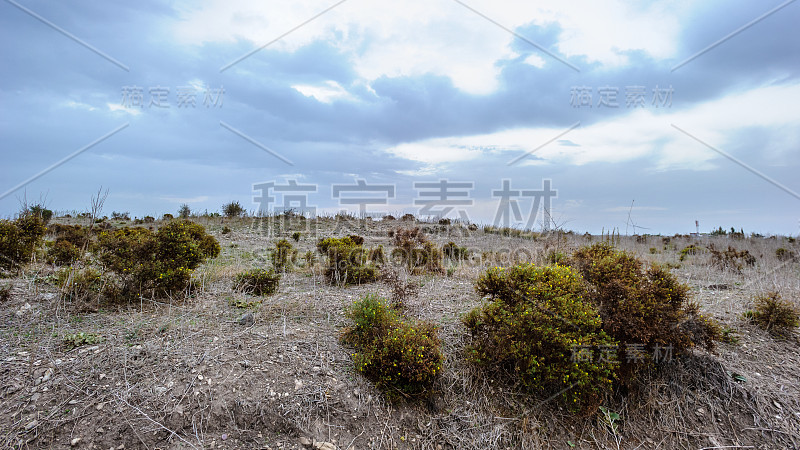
{"x": 640, "y": 116}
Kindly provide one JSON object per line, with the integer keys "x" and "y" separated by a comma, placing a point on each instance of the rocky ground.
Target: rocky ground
{"x": 225, "y": 370}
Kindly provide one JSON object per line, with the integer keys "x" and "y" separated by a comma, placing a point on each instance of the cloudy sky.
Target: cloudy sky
{"x": 667, "y": 112}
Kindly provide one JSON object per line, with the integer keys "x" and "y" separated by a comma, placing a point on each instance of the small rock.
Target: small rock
{"x": 35, "y": 397}
{"x": 31, "y": 425}
{"x": 224, "y": 437}
{"x": 75, "y": 442}
{"x": 99, "y": 406}
{"x": 298, "y": 384}
{"x": 305, "y": 442}
{"x": 100, "y": 430}
{"x": 324, "y": 446}
{"x": 247, "y": 319}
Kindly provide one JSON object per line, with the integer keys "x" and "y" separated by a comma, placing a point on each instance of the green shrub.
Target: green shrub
{"x": 642, "y": 307}
{"x": 62, "y": 252}
{"x": 784, "y": 255}
{"x": 454, "y": 252}
{"x": 5, "y": 292}
{"x": 731, "y": 258}
{"x": 417, "y": 252}
{"x": 399, "y": 354}
{"x": 75, "y": 340}
{"x": 158, "y": 263}
{"x": 310, "y": 258}
{"x": 555, "y": 257}
{"x": 40, "y": 211}
{"x": 19, "y": 239}
{"x": 377, "y": 256}
{"x": 539, "y": 329}
{"x": 689, "y": 250}
{"x": 774, "y": 314}
{"x": 283, "y": 256}
{"x": 81, "y": 287}
{"x": 74, "y": 234}
{"x": 232, "y": 209}
{"x": 258, "y": 282}
{"x": 357, "y": 240}
{"x": 226, "y": 229}
{"x": 348, "y": 263}
{"x": 296, "y": 236}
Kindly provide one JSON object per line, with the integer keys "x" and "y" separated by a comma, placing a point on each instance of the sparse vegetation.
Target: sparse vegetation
{"x": 258, "y": 282}
{"x": 774, "y": 314}
{"x": 19, "y": 239}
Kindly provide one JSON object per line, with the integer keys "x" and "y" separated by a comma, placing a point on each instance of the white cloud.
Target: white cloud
{"x": 639, "y": 134}
{"x": 325, "y": 93}
{"x": 414, "y": 37}
{"x": 114, "y": 107}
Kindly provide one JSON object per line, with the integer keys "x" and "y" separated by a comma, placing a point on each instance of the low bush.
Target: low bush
{"x": 784, "y": 255}
{"x": 454, "y": 252}
{"x": 159, "y": 263}
{"x": 731, "y": 258}
{"x": 258, "y": 282}
{"x": 644, "y": 308}
{"x": 347, "y": 262}
{"x": 417, "y": 253}
{"x": 539, "y": 330}
{"x": 19, "y": 239}
{"x": 233, "y": 209}
{"x": 401, "y": 355}
{"x": 62, "y": 252}
{"x": 774, "y": 314}
{"x": 283, "y": 256}
{"x": 689, "y": 250}
{"x": 296, "y": 236}
{"x": 5, "y": 292}
{"x": 83, "y": 288}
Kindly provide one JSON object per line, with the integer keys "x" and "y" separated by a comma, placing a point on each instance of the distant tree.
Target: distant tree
{"x": 232, "y": 209}
{"x": 184, "y": 211}
{"x": 40, "y": 211}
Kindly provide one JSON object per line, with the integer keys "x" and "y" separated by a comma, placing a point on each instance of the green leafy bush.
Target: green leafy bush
{"x": 157, "y": 263}
{"x": 62, "y": 252}
{"x": 81, "y": 287}
{"x": 642, "y": 307}
{"x": 539, "y": 330}
{"x": 80, "y": 339}
{"x": 232, "y": 209}
{"x": 19, "y": 239}
{"x": 454, "y": 252}
{"x": 417, "y": 252}
{"x": 397, "y": 353}
{"x": 283, "y": 255}
{"x": 774, "y": 314}
{"x": 731, "y": 258}
{"x": 258, "y": 282}
{"x": 40, "y": 211}
{"x": 296, "y": 236}
{"x": 784, "y": 255}
{"x": 348, "y": 262}
{"x": 689, "y": 250}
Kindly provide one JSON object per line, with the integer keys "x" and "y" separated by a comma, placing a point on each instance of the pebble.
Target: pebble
{"x": 75, "y": 442}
